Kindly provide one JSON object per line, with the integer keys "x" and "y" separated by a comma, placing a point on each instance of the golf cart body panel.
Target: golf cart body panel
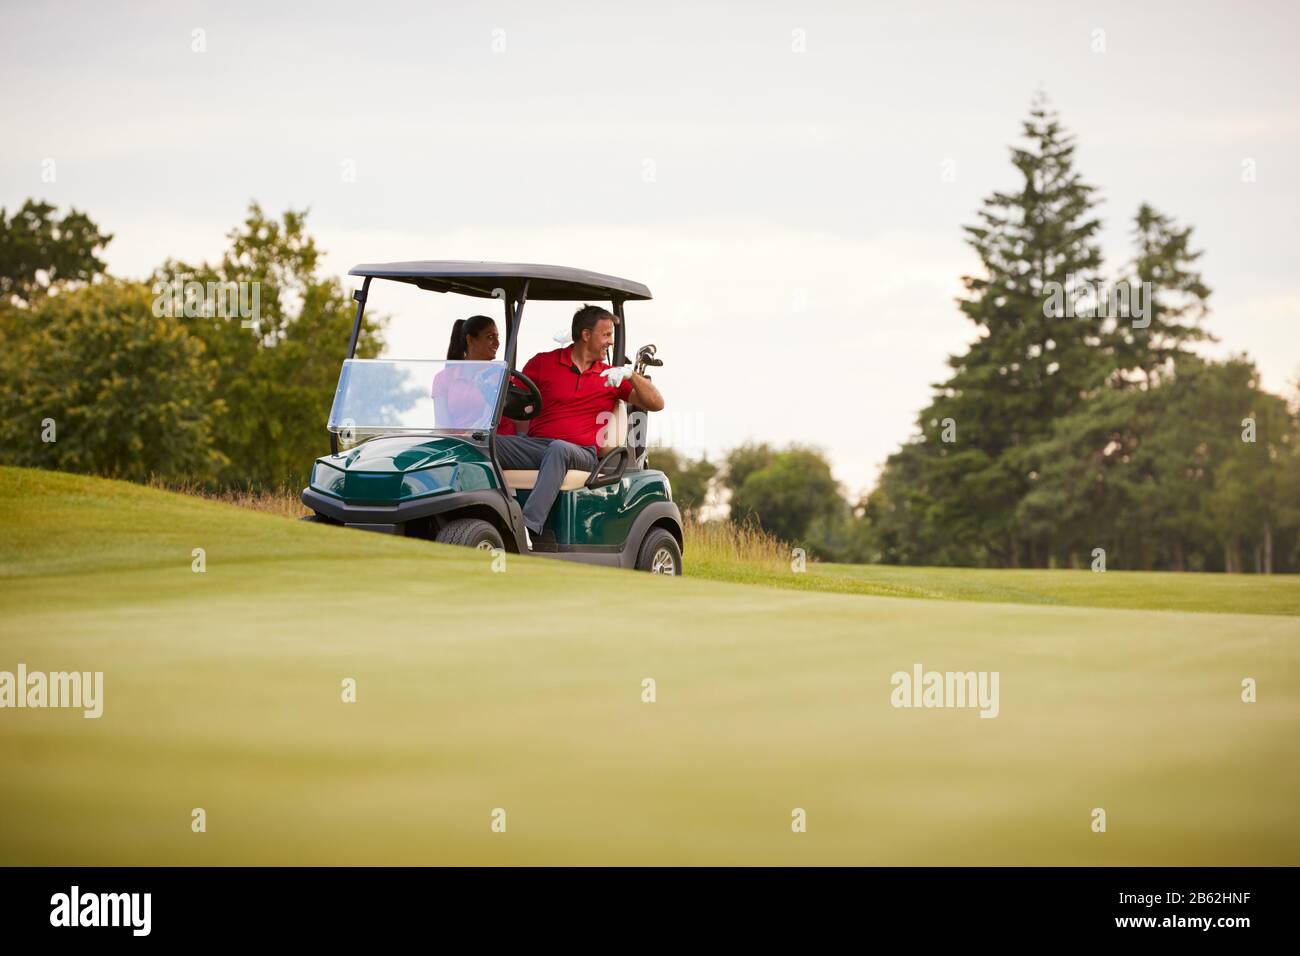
{"x": 602, "y": 517}
{"x": 422, "y": 459}
{"x": 394, "y": 469}
{"x": 660, "y": 514}
{"x": 422, "y": 517}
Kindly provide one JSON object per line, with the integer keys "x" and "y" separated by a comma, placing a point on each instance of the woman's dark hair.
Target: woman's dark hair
{"x": 587, "y": 317}
{"x": 461, "y": 330}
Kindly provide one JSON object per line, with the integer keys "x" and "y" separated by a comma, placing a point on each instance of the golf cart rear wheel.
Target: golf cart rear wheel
{"x": 660, "y": 554}
{"x": 471, "y": 533}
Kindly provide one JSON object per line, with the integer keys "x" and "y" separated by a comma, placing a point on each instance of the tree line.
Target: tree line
{"x": 1079, "y": 426}
{"x": 121, "y": 378}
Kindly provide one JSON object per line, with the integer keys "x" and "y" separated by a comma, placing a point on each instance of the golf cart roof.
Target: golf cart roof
{"x": 556, "y": 283}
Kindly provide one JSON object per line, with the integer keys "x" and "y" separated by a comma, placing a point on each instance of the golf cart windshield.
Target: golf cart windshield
{"x": 381, "y": 395}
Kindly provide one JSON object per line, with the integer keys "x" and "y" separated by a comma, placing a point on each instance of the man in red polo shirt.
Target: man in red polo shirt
{"x": 578, "y": 388}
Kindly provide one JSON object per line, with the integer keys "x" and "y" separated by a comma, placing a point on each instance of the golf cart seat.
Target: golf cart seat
{"x": 523, "y": 479}
{"x": 573, "y": 478}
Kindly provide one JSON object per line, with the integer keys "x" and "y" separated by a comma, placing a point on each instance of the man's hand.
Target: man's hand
{"x": 614, "y": 376}
{"x": 644, "y": 394}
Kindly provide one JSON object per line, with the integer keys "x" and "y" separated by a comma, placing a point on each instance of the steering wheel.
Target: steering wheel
{"x": 522, "y": 402}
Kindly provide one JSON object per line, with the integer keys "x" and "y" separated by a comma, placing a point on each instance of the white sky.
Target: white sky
{"x": 802, "y": 247}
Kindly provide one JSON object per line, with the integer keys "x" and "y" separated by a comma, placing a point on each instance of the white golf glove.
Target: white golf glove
{"x": 614, "y": 377}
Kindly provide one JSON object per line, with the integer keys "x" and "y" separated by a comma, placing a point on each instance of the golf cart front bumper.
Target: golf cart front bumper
{"x": 393, "y": 518}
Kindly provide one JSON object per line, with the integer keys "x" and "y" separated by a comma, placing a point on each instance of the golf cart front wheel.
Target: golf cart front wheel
{"x": 660, "y": 553}
{"x": 471, "y": 533}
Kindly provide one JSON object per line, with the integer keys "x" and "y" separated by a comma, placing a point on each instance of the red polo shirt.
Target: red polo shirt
{"x": 572, "y": 400}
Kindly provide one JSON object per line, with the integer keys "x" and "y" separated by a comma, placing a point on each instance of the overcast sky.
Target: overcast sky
{"x": 773, "y": 171}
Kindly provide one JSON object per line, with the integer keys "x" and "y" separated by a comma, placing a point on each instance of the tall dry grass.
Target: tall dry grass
{"x": 724, "y": 543}
{"x": 283, "y": 501}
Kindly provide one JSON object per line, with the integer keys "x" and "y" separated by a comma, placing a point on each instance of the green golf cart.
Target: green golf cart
{"x": 414, "y": 442}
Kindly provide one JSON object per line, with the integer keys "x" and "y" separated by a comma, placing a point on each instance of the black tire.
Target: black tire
{"x": 471, "y": 533}
{"x": 317, "y": 519}
{"x": 660, "y": 553}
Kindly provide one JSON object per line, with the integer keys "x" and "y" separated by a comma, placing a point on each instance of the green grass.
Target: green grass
{"x": 1138, "y": 590}
{"x": 522, "y": 690}
{"x": 742, "y": 554}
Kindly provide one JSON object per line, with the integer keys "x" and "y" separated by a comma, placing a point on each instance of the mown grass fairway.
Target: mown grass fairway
{"x": 522, "y": 690}
{"x": 1135, "y": 590}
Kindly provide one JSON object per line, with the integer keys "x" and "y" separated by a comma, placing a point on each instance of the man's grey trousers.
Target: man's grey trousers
{"x": 550, "y": 458}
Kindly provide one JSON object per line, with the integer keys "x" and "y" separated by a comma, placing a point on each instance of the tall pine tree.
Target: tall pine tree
{"x": 1030, "y": 366}
{"x": 1166, "y": 265}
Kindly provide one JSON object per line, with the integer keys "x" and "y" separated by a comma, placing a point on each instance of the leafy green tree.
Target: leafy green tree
{"x": 1160, "y": 477}
{"x": 94, "y": 382}
{"x": 1090, "y": 490}
{"x": 1288, "y": 496}
{"x": 39, "y": 251}
{"x": 278, "y": 377}
{"x": 690, "y": 478}
{"x": 902, "y": 523}
{"x": 1249, "y": 503}
{"x": 744, "y": 460}
{"x": 789, "y": 495}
